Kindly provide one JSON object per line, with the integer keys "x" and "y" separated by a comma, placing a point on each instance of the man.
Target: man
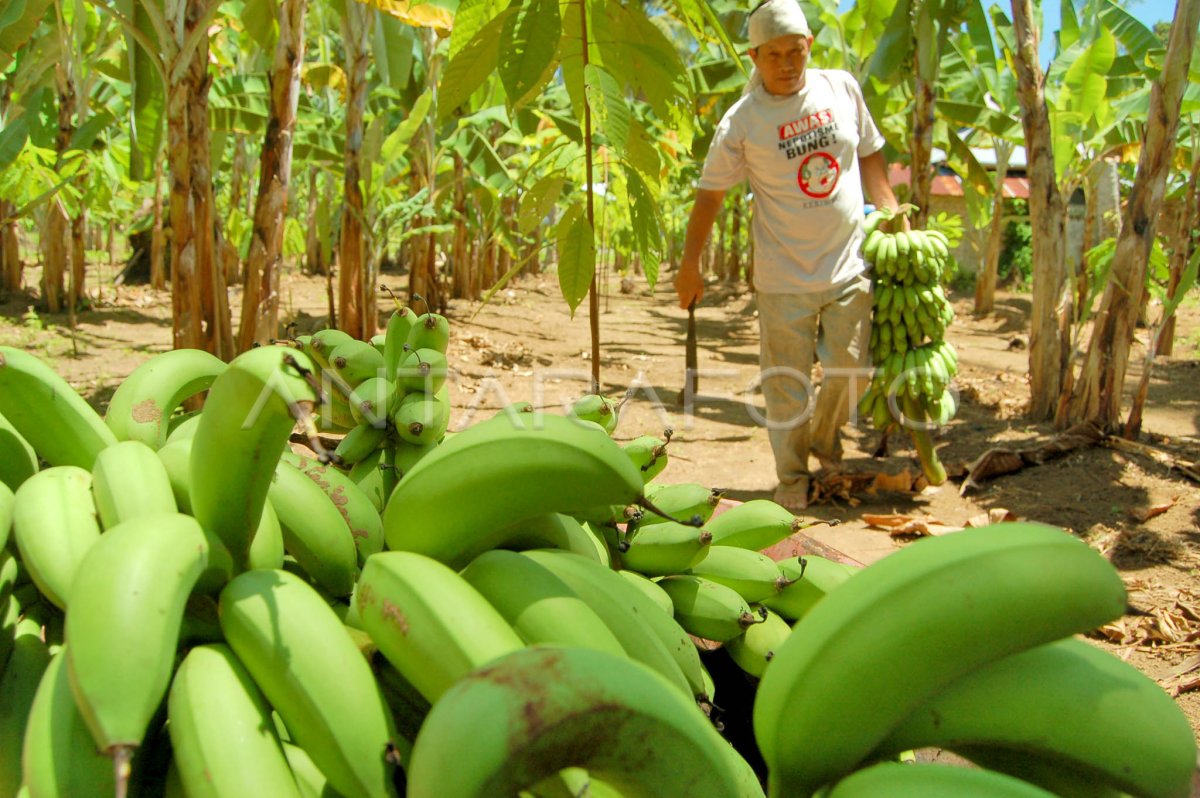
{"x": 806, "y": 142}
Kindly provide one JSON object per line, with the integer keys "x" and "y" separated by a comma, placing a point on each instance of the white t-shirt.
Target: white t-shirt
{"x": 798, "y": 152}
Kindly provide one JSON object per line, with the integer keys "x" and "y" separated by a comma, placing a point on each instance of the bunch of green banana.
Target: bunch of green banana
{"x": 902, "y": 630}
{"x": 914, "y": 365}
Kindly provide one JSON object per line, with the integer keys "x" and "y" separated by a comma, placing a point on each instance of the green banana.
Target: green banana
{"x": 682, "y": 501}
{"x": 752, "y": 575}
{"x": 525, "y": 716}
{"x": 754, "y": 649}
{"x": 429, "y": 331}
{"x": 314, "y": 531}
{"x": 18, "y": 460}
{"x": 128, "y": 603}
{"x": 539, "y": 606}
{"x": 1068, "y": 702}
{"x": 595, "y": 408}
{"x": 59, "y": 757}
{"x": 321, "y": 345}
{"x": 422, "y": 419}
{"x": 423, "y": 370}
{"x": 1049, "y": 774}
{"x": 221, "y": 732}
{"x": 128, "y": 481}
{"x": 708, "y": 609}
{"x": 896, "y": 780}
{"x": 429, "y": 622}
{"x": 558, "y": 531}
{"x": 359, "y": 443}
{"x": 811, "y": 577}
{"x": 360, "y": 515}
{"x": 143, "y": 403}
{"x": 47, "y": 412}
{"x": 54, "y": 526}
{"x": 372, "y": 402}
{"x": 367, "y": 474}
{"x": 666, "y": 548}
{"x": 18, "y": 684}
{"x": 245, "y": 425}
{"x": 651, "y": 589}
{"x": 456, "y": 501}
{"x": 906, "y": 627}
{"x": 310, "y": 781}
{"x": 311, "y": 672}
{"x": 8, "y": 501}
{"x": 399, "y": 324}
{"x": 649, "y": 454}
{"x": 353, "y": 362}
{"x": 757, "y": 524}
{"x": 647, "y": 634}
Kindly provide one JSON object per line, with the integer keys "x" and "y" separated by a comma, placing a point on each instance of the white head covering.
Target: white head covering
{"x": 772, "y": 19}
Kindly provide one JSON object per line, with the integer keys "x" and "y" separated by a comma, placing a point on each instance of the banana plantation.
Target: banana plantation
{"x": 353, "y": 442}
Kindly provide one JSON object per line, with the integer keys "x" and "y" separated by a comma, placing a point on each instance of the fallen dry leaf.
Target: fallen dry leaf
{"x": 886, "y": 519}
{"x": 995, "y": 515}
{"x": 1144, "y": 514}
{"x": 900, "y": 483}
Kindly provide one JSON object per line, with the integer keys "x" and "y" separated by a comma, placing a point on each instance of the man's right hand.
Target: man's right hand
{"x": 689, "y": 285}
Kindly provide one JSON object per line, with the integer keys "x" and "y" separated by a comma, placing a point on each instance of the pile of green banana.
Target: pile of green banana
{"x": 188, "y": 607}
{"x": 913, "y": 362}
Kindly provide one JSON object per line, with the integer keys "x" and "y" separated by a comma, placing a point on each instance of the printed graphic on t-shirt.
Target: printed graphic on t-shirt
{"x": 807, "y": 139}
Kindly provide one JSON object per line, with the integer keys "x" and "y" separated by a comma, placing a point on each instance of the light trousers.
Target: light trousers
{"x": 796, "y": 330}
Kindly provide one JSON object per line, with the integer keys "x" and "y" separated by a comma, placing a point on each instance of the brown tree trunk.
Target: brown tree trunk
{"x": 186, "y": 309}
{"x": 11, "y": 268}
{"x": 216, "y": 324}
{"x": 1184, "y": 246}
{"x": 1050, "y": 323}
{"x": 237, "y": 174}
{"x": 158, "y": 242}
{"x": 921, "y": 184}
{"x": 461, "y": 282}
{"x": 735, "y": 252}
{"x": 352, "y": 271}
{"x": 314, "y": 247}
{"x": 260, "y": 303}
{"x": 989, "y": 267}
{"x": 57, "y": 260}
{"x": 1098, "y": 396}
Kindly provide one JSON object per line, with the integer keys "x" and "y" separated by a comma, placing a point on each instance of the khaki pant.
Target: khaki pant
{"x": 795, "y": 329}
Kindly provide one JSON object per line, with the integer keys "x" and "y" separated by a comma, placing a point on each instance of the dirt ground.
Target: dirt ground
{"x": 1138, "y": 507}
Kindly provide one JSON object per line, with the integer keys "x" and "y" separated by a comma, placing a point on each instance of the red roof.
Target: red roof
{"x": 951, "y": 186}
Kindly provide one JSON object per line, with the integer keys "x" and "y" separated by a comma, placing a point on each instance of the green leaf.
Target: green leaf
{"x": 528, "y": 46}
{"x": 1068, "y": 32}
{"x": 18, "y": 23}
{"x": 392, "y": 44}
{"x": 1086, "y": 81}
{"x": 260, "y": 19}
{"x": 468, "y": 70}
{"x": 399, "y": 138}
{"x": 470, "y": 18}
{"x": 639, "y": 55}
{"x": 610, "y": 112}
{"x": 979, "y": 117}
{"x": 12, "y": 140}
{"x": 889, "y": 63}
{"x": 538, "y": 201}
{"x": 642, "y": 155}
{"x": 647, "y": 230}
{"x": 1136, "y": 38}
{"x": 149, "y": 96}
{"x": 576, "y": 247}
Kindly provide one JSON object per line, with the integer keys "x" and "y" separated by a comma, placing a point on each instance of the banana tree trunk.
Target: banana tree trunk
{"x": 989, "y": 269}
{"x": 1185, "y": 245}
{"x": 158, "y": 241}
{"x": 260, "y": 303}
{"x": 921, "y": 184}
{"x": 1098, "y": 395}
{"x": 56, "y": 234}
{"x": 352, "y": 270}
{"x": 11, "y": 268}
{"x": 1050, "y": 323}
{"x": 422, "y": 275}
{"x": 216, "y": 325}
{"x": 461, "y": 282}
